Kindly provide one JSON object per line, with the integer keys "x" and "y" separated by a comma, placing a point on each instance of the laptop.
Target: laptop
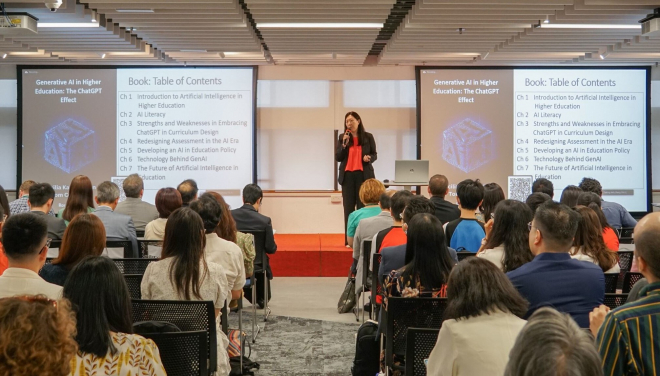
{"x": 411, "y": 171}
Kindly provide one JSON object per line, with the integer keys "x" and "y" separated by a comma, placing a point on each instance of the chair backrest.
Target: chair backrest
{"x": 626, "y": 235}
{"x": 625, "y": 260}
{"x": 260, "y": 259}
{"x": 615, "y": 300}
{"x": 133, "y": 281}
{"x": 419, "y": 344}
{"x": 366, "y": 258}
{"x": 376, "y": 287}
{"x": 118, "y": 249}
{"x": 462, "y": 255}
{"x": 54, "y": 249}
{"x": 182, "y": 353}
{"x": 150, "y": 248}
{"x": 404, "y": 313}
{"x": 139, "y": 233}
{"x": 611, "y": 280}
{"x": 629, "y": 280}
{"x": 186, "y": 315}
{"x": 133, "y": 265}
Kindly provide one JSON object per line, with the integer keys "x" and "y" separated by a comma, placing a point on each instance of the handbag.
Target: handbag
{"x": 347, "y": 299}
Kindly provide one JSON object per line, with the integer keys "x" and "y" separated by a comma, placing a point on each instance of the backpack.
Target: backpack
{"x": 367, "y": 350}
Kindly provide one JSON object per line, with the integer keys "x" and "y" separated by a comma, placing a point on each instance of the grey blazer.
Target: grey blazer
{"x": 117, "y": 226}
{"x": 56, "y": 226}
{"x": 140, "y": 211}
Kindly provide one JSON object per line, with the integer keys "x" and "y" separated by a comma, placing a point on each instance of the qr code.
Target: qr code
{"x": 520, "y": 187}
{"x": 119, "y": 180}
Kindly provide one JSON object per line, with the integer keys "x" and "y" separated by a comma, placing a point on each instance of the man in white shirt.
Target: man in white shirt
{"x": 25, "y": 242}
{"x": 218, "y": 250}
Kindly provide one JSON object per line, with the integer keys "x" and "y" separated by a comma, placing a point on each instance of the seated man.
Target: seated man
{"x": 466, "y": 232}
{"x": 25, "y": 242}
{"x": 140, "y": 211}
{"x": 218, "y": 250}
{"x": 553, "y": 278}
{"x": 40, "y": 202}
{"x": 626, "y": 337}
{"x": 438, "y": 189}
{"x": 247, "y": 219}
{"x": 20, "y": 205}
{"x": 393, "y": 235}
{"x": 617, "y": 216}
{"x": 188, "y": 190}
{"x": 543, "y": 185}
{"x": 117, "y": 226}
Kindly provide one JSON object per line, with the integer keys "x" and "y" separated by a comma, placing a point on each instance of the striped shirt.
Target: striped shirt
{"x": 628, "y": 340}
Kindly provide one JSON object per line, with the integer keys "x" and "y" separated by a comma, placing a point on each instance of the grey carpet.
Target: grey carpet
{"x": 290, "y": 346}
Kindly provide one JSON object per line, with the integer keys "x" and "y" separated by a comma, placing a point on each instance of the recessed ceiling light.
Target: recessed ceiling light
{"x": 590, "y": 26}
{"x": 603, "y": 55}
{"x": 66, "y": 24}
{"x": 134, "y": 10}
{"x": 321, "y": 25}
{"x": 103, "y": 55}
{"x": 4, "y": 56}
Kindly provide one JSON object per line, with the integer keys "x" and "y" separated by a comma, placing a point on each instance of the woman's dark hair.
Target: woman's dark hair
{"x": 477, "y": 287}
{"x": 589, "y": 237}
{"x": 4, "y": 202}
{"x": 570, "y": 195}
{"x": 511, "y": 231}
{"x": 594, "y": 202}
{"x": 210, "y": 211}
{"x": 185, "y": 241}
{"x": 493, "y": 194}
{"x": 84, "y": 236}
{"x": 227, "y": 227}
{"x": 361, "y": 133}
{"x": 167, "y": 201}
{"x": 99, "y": 295}
{"x": 427, "y": 256}
{"x": 81, "y": 197}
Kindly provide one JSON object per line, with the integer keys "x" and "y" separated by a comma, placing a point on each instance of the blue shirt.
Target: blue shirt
{"x": 617, "y": 216}
{"x": 556, "y": 280}
{"x": 464, "y": 234}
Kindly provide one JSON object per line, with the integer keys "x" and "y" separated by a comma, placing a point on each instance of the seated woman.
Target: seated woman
{"x": 594, "y": 202}
{"x": 507, "y": 236}
{"x": 588, "y": 244}
{"x": 80, "y": 199}
{"x": 493, "y": 194}
{"x": 167, "y": 201}
{"x": 36, "y": 336}
{"x": 85, "y": 236}
{"x": 184, "y": 274}
{"x": 483, "y": 318}
{"x": 570, "y": 195}
{"x": 102, "y": 303}
{"x": 369, "y": 194}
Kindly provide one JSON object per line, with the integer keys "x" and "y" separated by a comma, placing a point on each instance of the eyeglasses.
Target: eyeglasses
{"x": 47, "y": 245}
{"x": 529, "y": 226}
{"x": 34, "y": 299}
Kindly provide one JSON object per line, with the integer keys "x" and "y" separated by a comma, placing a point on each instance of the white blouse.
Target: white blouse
{"x": 582, "y": 257}
{"x": 494, "y": 255}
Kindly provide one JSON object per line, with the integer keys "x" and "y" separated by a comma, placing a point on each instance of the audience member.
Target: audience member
{"x": 438, "y": 190}
{"x": 483, "y": 319}
{"x": 466, "y": 232}
{"x": 40, "y": 201}
{"x": 85, "y": 236}
{"x": 20, "y": 205}
{"x": 543, "y": 185}
{"x": 370, "y": 192}
{"x": 627, "y": 337}
{"x": 617, "y": 216}
{"x": 25, "y": 243}
{"x": 188, "y": 190}
{"x": 117, "y": 226}
{"x": 218, "y": 250}
{"x": 140, "y": 211}
{"x": 248, "y": 219}
{"x": 3, "y": 258}
{"x": 4, "y": 202}
{"x": 594, "y": 202}
{"x": 36, "y": 336}
{"x": 588, "y": 244}
{"x": 227, "y": 230}
{"x": 184, "y": 274}
{"x": 536, "y": 199}
{"x": 551, "y": 344}
{"x": 507, "y": 236}
{"x": 167, "y": 201}
{"x": 393, "y": 235}
{"x": 570, "y": 195}
{"x": 80, "y": 199}
{"x": 493, "y": 194}
{"x": 98, "y": 292}
{"x": 553, "y": 278}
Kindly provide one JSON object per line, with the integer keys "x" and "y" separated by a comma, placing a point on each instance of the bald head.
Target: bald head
{"x": 647, "y": 246}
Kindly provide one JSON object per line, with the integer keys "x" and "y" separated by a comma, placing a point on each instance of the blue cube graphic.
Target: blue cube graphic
{"x": 467, "y": 145}
{"x": 70, "y": 146}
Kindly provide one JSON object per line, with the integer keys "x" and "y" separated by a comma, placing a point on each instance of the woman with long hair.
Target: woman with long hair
{"x": 98, "y": 292}
{"x": 493, "y": 194}
{"x": 183, "y": 273}
{"x": 167, "y": 201}
{"x": 85, "y": 236}
{"x": 570, "y": 195}
{"x": 507, "y": 236}
{"x": 594, "y": 202}
{"x": 483, "y": 318}
{"x": 588, "y": 244}
{"x": 80, "y": 199}
{"x": 355, "y": 152}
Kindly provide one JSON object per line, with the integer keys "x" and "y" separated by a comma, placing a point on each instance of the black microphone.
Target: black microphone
{"x": 346, "y": 140}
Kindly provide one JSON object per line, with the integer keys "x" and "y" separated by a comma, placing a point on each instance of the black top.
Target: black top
{"x": 368, "y": 148}
{"x": 445, "y": 210}
{"x": 247, "y": 218}
{"x": 55, "y": 274}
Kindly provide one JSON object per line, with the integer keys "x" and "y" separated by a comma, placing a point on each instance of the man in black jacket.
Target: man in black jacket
{"x": 248, "y": 219}
{"x": 438, "y": 189}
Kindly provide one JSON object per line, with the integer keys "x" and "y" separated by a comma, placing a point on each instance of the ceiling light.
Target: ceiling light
{"x": 321, "y": 25}
{"x": 547, "y": 20}
{"x": 103, "y": 55}
{"x": 4, "y": 56}
{"x": 590, "y": 26}
{"x": 134, "y": 10}
{"x": 66, "y": 24}
{"x": 603, "y": 55}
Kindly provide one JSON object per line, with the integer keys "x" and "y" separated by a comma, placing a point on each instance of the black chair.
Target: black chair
{"x": 182, "y": 353}
{"x": 462, "y": 255}
{"x": 404, "y": 313}
{"x": 376, "y": 287}
{"x": 611, "y": 280}
{"x": 625, "y": 235}
{"x": 187, "y": 316}
{"x": 139, "y": 234}
{"x": 625, "y": 260}
{"x": 260, "y": 266}
{"x": 629, "y": 280}
{"x": 133, "y": 281}
{"x": 366, "y": 253}
{"x": 615, "y": 300}
{"x": 419, "y": 344}
{"x": 150, "y": 246}
{"x": 133, "y": 265}
{"x": 125, "y": 244}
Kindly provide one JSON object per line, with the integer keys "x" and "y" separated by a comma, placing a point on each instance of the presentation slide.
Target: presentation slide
{"x": 559, "y": 124}
{"x": 166, "y": 125}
